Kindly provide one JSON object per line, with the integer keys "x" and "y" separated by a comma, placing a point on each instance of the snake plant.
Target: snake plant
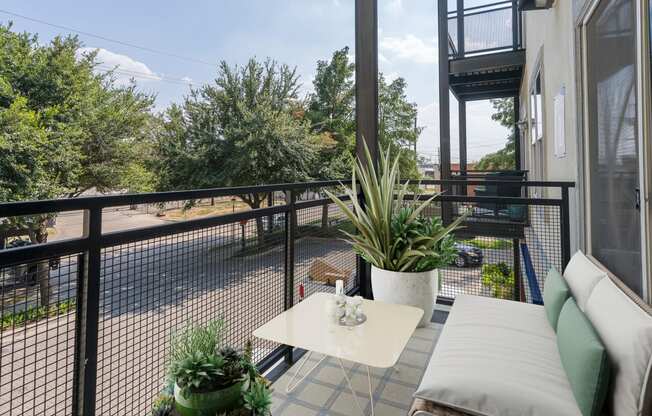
{"x": 385, "y": 198}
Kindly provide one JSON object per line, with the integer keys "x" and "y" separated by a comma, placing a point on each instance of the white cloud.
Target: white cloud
{"x": 188, "y": 80}
{"x": 394, "y": 6}
{"x": 125, "y": 67}
{"x": 409, "y": 47}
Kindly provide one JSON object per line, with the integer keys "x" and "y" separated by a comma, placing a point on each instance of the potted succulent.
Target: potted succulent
{"x": 405, "y": 248}
{"x": 208, "y": 378}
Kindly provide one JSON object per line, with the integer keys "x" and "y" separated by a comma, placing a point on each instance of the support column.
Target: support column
{"x": 462, "y": 118}
{"x": 444, "y": 104}
{"x": 517, "y": 133}
{"x": 462, "y": 190}
{"x": 366, "y": 76}
{"x": 460, "y": 29}
{"x": 366, "y": 97}
{"x": 444, "y": 100}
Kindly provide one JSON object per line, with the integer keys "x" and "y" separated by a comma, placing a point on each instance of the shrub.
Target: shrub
{"x": 500, "y": 278}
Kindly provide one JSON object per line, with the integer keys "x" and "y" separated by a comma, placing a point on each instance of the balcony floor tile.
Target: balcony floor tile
{"x": 325, "y": 391}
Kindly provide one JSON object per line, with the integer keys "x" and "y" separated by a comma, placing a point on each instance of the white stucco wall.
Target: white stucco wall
{"x": 549, "y": 41}
{"x": 549, "y": 37}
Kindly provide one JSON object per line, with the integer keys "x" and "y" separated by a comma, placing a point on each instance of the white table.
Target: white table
{"x": 378, "y": 342}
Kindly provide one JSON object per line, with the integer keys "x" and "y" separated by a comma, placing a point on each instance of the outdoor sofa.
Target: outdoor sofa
{"x": 497, "y": 357}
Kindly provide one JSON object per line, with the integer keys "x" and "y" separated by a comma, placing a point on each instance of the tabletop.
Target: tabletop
{"x": 378, "y": 342}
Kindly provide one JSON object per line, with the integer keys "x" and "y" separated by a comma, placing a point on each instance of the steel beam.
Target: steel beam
{"x": 444, "y": 105}
{"x": 366, "y": 76}
{"x": 366, "y": 96}
{"x": 462, "y": 129}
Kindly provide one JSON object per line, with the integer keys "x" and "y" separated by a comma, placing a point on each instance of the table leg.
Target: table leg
{"x": 371, "y": 393}
{"x": 348, "y": 381}
{"x": 290, "y": 388}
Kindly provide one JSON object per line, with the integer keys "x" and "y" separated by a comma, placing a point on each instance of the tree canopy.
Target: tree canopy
{"x": 65, "y": 128}
{"x": 505, "y": 158}
{"x": 331, "y": 111}
{"x": 332, "y": 114}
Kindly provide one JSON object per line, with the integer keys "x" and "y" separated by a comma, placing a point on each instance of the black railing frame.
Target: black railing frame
{"x": 460, "y": 13}
{"x": 93, "y": 240}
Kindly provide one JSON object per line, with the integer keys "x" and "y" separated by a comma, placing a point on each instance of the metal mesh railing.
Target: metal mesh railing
{"x": 486, "y": 28}
{"x": 150, "y": 288}
{"x": 37, "y": 336}
{"x": 507, "y": 243}
{"x": 98, "y": 339}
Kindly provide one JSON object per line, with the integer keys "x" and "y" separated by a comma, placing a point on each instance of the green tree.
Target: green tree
{"x": 331, "y": 111}
{"x": 505, "y": 158}
{"x": 247, "y": 128}
{"x": 396, "y": 124}
{"x": 63, "y": 128}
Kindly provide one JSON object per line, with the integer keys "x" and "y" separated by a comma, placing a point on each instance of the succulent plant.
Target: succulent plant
{"x": 198, "y": 372}
{"x": 234, "y": 368}
{"x": 163, "y": 405}
{"x": 258, "y": 399}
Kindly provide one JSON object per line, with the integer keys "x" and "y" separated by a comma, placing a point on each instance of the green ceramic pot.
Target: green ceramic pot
{"x": 210, "y": 403}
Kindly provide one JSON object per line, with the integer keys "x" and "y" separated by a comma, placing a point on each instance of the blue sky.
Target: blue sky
{"x": 296, "y": 32}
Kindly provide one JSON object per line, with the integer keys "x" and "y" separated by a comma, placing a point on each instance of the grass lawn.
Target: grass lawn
{"x": 36, "y": 313}
{"x": 489, "y": 243}
{"x": 220, "y": 208}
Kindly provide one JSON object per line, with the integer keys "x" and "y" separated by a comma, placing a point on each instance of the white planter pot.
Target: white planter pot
{"x": 413, "y": 289}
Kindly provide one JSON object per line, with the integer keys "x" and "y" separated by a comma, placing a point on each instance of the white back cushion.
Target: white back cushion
{"x": 626, "y": 332}
{"x": 582, "y": 276}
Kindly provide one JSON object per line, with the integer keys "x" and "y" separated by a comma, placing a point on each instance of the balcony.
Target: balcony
{"x": 485, "y": 52}
{"x": 116, "y": 295}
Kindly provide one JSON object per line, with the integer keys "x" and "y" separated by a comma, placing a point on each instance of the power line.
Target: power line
{"x": 144, "y": 75}
{"x": 119, "y": 42}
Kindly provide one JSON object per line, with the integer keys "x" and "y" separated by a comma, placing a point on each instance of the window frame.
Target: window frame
{"x": 644, "y": 127}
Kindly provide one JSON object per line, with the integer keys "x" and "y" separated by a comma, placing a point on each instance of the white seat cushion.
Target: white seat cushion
{"x": 497, "y": 357}
{"x": 626, "y": 332}
{"x": 582, "y": 276}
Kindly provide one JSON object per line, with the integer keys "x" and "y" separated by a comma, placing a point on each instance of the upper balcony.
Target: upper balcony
{"x": 485, "y": 50}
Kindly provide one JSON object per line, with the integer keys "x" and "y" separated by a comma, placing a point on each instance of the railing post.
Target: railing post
{"x": 518, "y": 282}
{"x": 270, "y": 218}
{"x": 290, "y": 233}
{"x": 517, "y": 132}
{"x": 565, "y": 227}
{"x": 88, "y": 308}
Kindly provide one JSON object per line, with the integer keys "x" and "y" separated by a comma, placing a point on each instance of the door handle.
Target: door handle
{"x": 637, "y": 196}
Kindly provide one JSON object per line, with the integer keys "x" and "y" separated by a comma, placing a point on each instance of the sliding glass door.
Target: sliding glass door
{"x": 614, "y": 178}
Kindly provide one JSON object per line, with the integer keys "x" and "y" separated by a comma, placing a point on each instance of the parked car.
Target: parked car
{"x": 467, "y": 255}
{"x": 26, "y": 273}
{"x": 278, "y": 221}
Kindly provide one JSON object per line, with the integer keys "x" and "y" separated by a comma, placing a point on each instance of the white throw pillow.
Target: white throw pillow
{"x": 582, "y": 276}
{"x": 626, "y": 332}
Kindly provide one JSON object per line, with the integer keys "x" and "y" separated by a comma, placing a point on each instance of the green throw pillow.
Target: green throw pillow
{"x": 584, "y": 359}
{"x": 555, "y": 293}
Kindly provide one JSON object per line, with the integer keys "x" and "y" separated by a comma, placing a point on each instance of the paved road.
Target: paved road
{"x": 71, "y": 224}
{"x": 146, "y": 291}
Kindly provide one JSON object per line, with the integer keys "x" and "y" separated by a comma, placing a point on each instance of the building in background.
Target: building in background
{"x": 579, "y": 72}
